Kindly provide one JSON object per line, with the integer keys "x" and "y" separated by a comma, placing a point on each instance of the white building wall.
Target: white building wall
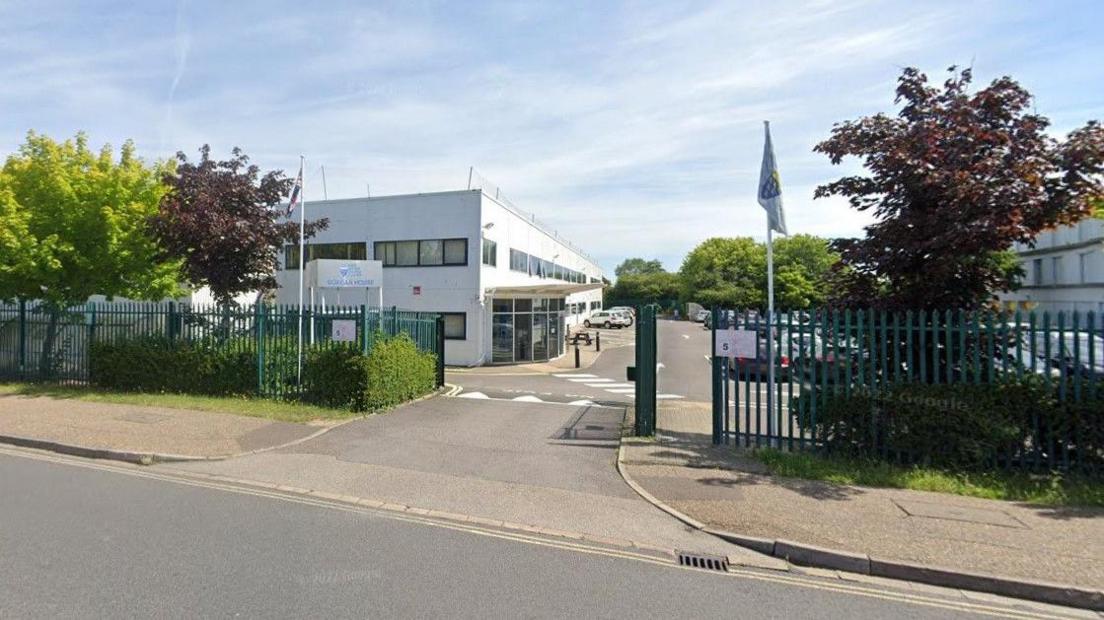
{"x": 1064, "y": 271}
{"x": 444, "y": 288}
{"x": 443, "y": 215}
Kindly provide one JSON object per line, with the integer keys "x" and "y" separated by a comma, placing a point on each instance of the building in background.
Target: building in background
{"x": 508, "y": 287}
{"x": 1064, "y": 271}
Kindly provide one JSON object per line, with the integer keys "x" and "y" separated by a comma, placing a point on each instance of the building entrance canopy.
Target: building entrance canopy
{"x": 542, "y": 290}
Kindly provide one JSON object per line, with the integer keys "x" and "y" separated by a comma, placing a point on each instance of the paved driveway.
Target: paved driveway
{"x": 547, "y": 465}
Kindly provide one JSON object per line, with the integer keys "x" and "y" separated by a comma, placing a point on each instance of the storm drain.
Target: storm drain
{"x": 704, "y": 562}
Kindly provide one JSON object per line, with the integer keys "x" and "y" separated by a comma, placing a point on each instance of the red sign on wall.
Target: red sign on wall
{"x": 417, "y": 290}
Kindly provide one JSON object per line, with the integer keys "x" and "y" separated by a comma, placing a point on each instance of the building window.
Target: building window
{"x": 1056, "y": 270}
{"x": 423, "y": 253}
{"x": 490, "y": 253}
{"x": 519, "y": 261}
{"x": 340, "y": 251}
{"x": 595, "y": 305}
{"x": 456, "y": 251}
{"x": 1037, "y": 272}
{"x": 1083, "y": 260}
{"x": 456, "y": 325}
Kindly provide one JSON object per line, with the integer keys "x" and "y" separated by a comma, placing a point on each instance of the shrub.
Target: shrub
{"x": 336, "y": 377}
{"x": 969, "y": 426}
{"x": 397, "y": 372}
{"x": 157, "y": 364}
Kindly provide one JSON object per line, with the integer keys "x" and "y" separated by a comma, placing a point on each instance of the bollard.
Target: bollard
{"x": 576, "y": 355}
{"x": 598, "y": 341}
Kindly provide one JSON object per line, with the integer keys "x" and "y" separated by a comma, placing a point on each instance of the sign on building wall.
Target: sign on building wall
{"x": 334, "y": 273}
{"x": 735, "y": 343}
{"x": 343, "y": 330}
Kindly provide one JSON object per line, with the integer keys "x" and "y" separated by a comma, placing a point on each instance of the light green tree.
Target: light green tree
{"x": 74, "y": 223}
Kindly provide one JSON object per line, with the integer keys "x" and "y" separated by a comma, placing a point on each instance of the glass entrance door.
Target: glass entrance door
{"x": 523, "y": 337}
{"x": 540, "y": 336}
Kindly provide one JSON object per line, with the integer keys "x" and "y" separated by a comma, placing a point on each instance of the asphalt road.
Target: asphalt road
{"x": 84, "y": 539}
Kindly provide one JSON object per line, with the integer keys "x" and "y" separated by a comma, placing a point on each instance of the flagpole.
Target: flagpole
{"x": 770, "y": 331}
{"x": 302, "y": 262}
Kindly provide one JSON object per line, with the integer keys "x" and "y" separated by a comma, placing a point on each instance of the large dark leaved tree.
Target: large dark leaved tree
{"x": 223, "y": 218}
{"x": 953, "y": 180}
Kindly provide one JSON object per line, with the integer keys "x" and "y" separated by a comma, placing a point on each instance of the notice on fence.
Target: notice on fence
{"x": 734, "y": 343}
{"x": 344, "y": 330}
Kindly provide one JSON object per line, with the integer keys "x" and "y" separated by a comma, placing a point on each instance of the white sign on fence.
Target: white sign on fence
{"x": 344, "y": 330}
{"x": 734, "y": 343}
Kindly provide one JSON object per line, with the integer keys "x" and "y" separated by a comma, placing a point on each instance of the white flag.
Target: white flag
{"x": 770, "y": 186}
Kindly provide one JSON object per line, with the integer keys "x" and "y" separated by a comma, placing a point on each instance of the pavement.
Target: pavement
{"x": 726, "y": 489}
{"x": 130, "y": 432}
{"x": 100, "y": 539}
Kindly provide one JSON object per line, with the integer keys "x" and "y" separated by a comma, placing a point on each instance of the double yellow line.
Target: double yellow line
{"x": 532, "y": 539}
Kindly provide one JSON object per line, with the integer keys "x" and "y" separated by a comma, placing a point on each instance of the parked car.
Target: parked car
{"x": 1062, "y": 359}
{"x": 625, "y": 310}
{"x": 607, "y": 319}
{"x": 728, "y": 318}
{"x": 701, "y": 316}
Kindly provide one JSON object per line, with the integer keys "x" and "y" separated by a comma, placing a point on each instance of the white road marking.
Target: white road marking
{"x": 581, "y": 403}
{"x": 612, "y": 385}
{"x": 686, "y": 336}
{"x": 527, "y": 399}
{"x": 593, "y": 380}
{"x": 622, "y": 391}
{"x": 573, "y": 374}
{"x": 660, "y": 365}
{"x": 668, "y": 396}
{"x": 473, "y": 395}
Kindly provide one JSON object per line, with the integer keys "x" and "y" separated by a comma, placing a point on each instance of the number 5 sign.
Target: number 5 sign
{"x": 734, "y": 343}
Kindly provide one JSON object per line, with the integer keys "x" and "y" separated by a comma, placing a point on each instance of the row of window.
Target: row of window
{"x": 534, "y": 266}
{"x": 340, "y": 251}
{"x": 422, "y": 253}
{"x": 581, "y": 307}
{"x": 1052, "y": 272}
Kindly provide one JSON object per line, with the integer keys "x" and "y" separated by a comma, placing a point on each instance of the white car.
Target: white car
{"x": 625, "y": 310}
{"x": 700, "y": 316}
{"x": 607, "y": 319}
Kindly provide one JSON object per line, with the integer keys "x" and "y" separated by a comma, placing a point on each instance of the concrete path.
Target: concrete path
{"x": 543, "y": 465}
{"x": 727, "y": 490}
{"x": 138, "y": 429}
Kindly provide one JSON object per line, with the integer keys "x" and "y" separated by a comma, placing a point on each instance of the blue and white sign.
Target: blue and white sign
{"x": 335, "y": 273}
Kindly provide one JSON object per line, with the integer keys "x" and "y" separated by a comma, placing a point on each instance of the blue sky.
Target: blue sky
{"x": 634, "y": 128}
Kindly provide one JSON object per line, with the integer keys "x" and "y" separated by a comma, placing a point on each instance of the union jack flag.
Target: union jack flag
{"x": 296, "y": 192}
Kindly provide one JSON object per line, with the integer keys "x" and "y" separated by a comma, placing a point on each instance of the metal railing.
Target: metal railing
{"x": 40, "y": 344}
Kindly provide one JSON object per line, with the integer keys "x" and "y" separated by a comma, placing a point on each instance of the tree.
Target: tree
{"x": 954, "y": 180}
{"x": 73, "y": 224}
{"x": 638, "y": 267}
{"x": 646, "y": 288}
{"x": 222, "y": 218}
{"x": 733, "y": 272}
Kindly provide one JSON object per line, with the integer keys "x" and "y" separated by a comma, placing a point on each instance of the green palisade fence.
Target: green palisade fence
{"x": 823, "y": 354}
{"x": 270, "y": 332}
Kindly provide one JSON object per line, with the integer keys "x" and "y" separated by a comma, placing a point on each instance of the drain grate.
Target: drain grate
{"x": 704, "y": 562}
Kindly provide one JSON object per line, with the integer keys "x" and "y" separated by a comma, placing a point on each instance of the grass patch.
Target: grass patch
{"x": 284, "y": 411}
{"x": 1041, "y": 489}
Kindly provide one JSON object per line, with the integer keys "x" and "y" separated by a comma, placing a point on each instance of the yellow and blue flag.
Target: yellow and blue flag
{"x": 770, "y": 186}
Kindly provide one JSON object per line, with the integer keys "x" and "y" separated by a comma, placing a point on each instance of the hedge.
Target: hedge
{"x": 1018, "y": 420}
{"x": 394, "y": 372}
{"x": 341, "y": 377}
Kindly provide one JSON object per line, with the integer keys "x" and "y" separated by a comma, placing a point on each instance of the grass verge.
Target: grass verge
{"x": 254, "y": 407}
{"x": 1041, "y": 489}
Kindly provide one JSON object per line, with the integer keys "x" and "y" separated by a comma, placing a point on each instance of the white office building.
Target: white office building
{"x": 1064, "y": 271}
{"x": 507, "y": 286}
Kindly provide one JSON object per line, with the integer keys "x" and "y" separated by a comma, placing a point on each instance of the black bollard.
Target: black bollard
{"x": 576, "y": 355}
{"x": 598, "y": 341}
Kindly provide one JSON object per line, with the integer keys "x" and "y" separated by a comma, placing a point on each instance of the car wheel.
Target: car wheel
{"x": 586, "y": 323}
{"x": 606, "y": 325}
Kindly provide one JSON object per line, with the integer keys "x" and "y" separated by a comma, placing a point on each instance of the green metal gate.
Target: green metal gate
{"x": 646, "y": 372}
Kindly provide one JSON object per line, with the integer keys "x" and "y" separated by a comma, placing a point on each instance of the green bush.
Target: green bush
{"x": 966, "y": 426}
{"x": 398, "y": 372}
{"x": 336, "y": 377}
{"x": 156, "y": 364}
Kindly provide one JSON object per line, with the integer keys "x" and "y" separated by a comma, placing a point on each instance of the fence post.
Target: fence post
{"x": 719, "y": 381}
{"x": 440, "y": 337}
{"x": 22, "y": 339}
{"x": 364, "y": 329}
{"x": 395, "y": 322}
{"x": 260, "y": 311}
{"x": 171, "y": 327}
